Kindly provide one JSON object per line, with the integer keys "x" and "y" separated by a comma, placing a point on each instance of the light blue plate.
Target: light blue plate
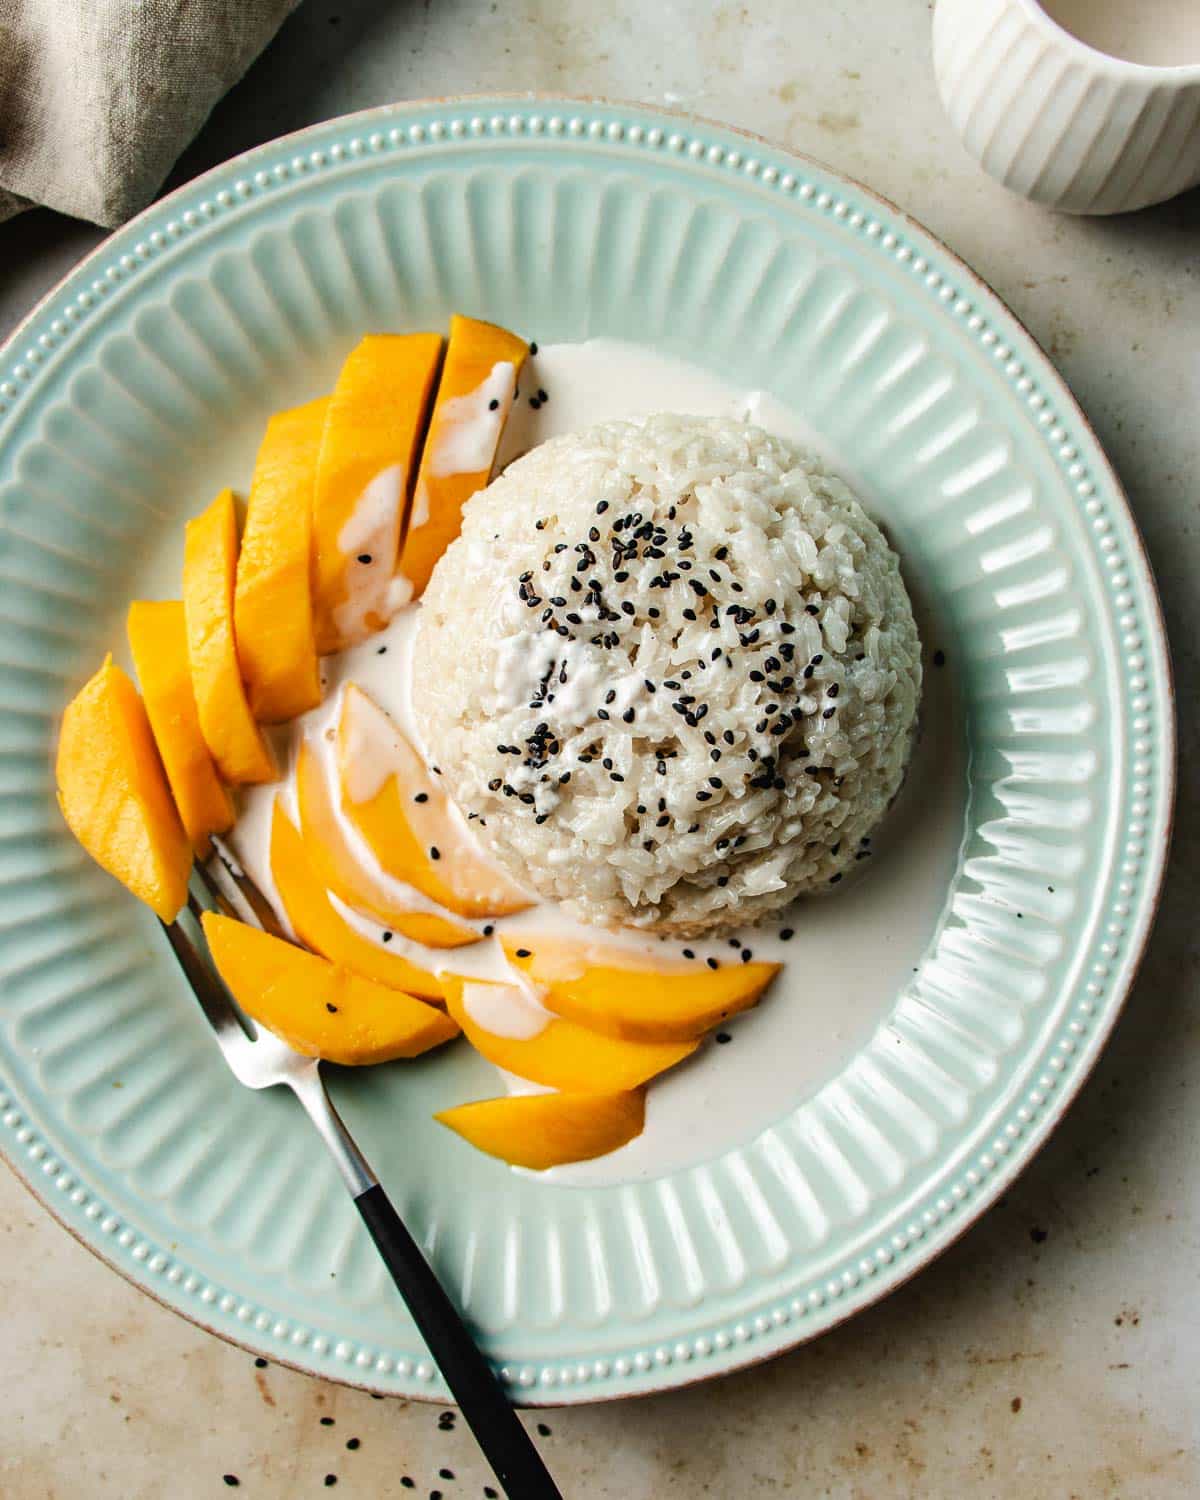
{"x": 143, "y": 382}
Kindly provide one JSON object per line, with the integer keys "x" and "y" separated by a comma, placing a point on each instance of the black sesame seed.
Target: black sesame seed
{"x": 330, "y": 1481}
{"x": 260, "y": 1364}
{"x": 445, "y": 1473}
{"x": 543, "y": 1430}
{"x": 832, "y": 690}
{"x": 615, "y": 776}
{"x": 722, "y": 881}
{"x": 421, "y": 797}
{"x": 326, "y": 1421}
{"x": 488, "y": 930}
{"x": 829, "y": 713}
{"x": 722, "y": 1037}
{"x": 231, "y": 1480}
{"x": 353, "y": 1444}
{"x": 746, "y": 955}
{"x": 364, "y": 557}
{"x": 939, "y": 658}
{"x": 687, "y": 953}
{"x": 434, "y": 852}
{"x": 542, "y": 396}
{"x": 332, "y": 1009}
{"x": 382, "y": 651}
{"x": 712, "y": 963}
{"x": 386, "y": 937}
{"x": 408, "y": 1484}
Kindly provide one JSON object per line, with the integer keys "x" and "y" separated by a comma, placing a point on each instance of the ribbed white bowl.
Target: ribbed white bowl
{"x": 1055, "y": 120}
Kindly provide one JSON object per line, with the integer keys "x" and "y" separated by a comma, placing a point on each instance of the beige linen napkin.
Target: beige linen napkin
{"x": 99, "y": 97}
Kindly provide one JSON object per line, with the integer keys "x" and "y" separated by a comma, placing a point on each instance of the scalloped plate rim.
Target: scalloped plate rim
{"x": 794, "y": 1333}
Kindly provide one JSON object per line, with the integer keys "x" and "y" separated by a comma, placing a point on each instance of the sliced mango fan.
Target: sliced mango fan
{"x": 143, "y": 778}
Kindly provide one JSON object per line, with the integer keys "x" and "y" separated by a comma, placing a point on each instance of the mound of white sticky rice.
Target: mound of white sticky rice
{"x": 671, "y": 668}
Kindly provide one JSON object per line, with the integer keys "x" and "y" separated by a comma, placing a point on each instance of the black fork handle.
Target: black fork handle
{"x": 498, "y": 1430}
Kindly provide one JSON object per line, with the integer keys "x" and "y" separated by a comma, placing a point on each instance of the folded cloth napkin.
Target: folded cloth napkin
{"x": 99, "y": 97}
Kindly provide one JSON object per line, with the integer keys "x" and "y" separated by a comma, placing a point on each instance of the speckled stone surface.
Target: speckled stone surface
{"x": 1052, "y": 1351}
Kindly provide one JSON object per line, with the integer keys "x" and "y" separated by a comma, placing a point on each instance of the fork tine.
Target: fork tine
{"x": 213, "y": 891}
{"x": 264, "y": 915}
{"x": 214, "y": 1002}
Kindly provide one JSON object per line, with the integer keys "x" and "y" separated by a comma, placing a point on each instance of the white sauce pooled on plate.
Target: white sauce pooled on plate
{"x": 851, "y": 953}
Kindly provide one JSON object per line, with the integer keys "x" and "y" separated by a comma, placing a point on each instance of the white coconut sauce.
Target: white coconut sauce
{"x": 370, "y": 532}
{"x": 852, "y": 951}
{"x": 507, "y": 1010}
{"x": 466, "y": 432}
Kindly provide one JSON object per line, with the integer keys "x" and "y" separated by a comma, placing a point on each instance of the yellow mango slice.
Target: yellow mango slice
{"x": 210, "y": 548}
{"x": 474, "y": 397}
{"x": 364, "y": 475}
{"x": 319, "y": 1008}
{"x": 321, "y": 927}
{"x": 548, "y": 1130}
{"x": 158, "y": 641}
{"x": 622, "y": 995}
{"x": 408, "y": 820}
{"x": 272, "y": 599}
{"x": 338, "y": 867}
{"x": 114, "y": 795}
{"x": 561, "y": 1055}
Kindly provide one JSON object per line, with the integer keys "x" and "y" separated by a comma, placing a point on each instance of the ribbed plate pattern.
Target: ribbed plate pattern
{"x": 144, "y": 381}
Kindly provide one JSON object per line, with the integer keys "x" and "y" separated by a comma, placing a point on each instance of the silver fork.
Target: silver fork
{"x": 260, "y": 1060}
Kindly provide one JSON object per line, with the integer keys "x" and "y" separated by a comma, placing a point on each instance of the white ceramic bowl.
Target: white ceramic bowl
{"x": 1058, "y": 121}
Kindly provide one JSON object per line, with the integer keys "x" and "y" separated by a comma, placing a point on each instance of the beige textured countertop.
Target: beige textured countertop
{"x": 1053, "y": 1351}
